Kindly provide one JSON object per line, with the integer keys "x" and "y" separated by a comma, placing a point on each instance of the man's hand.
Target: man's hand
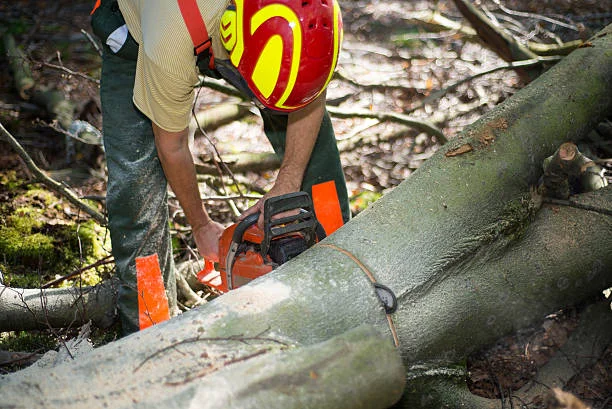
{"x": 207, "y": 240}
{"x": 281, "y": 187}
{"x": 302, "y": 132}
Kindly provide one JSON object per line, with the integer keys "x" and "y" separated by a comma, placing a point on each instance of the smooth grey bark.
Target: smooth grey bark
{"x": 222, "y": 375}
{"x": 24, "y": 309}
{"x": 462, "y": 243}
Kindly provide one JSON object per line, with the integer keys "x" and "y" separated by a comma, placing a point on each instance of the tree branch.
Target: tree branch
{"x": 47, "y": 181}
{"x": 499, "y": 41}
{"x": 421, "y": 125}
{"x": 511, "y": 65}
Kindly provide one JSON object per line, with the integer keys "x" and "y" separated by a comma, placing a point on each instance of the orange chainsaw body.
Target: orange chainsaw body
{"x": 247, "y": 252}
{"x": 248, "y": 264}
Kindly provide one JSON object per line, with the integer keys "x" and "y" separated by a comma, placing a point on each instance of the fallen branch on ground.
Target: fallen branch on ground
{"x": 25, "y": 309}
{"x": 18, "y": 358}
{"x": 104, "y": 261}
{"x": 22, "y": 76}
{"x": 510, "y": 66}
{"x": 421, "y": 125}
{"x": 47, "y": 181}
{"x": 243, "y": 162}
{"x": 502, "y": 43}
{"x": 434, "y": 21}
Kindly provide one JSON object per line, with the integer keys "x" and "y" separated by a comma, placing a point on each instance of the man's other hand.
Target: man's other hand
{"x": 207, "y": 239}
{"x": 281, "y": 187}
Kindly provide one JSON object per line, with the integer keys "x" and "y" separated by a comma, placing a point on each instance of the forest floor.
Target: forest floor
{"x": 389, "y": 64}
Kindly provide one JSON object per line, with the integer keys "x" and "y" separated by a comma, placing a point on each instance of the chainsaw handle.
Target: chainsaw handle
{"x": 243, "y": 226}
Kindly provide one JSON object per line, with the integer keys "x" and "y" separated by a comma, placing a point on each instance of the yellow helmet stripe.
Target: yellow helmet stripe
{"x": 337, "y": 43}
{"x": 236, "y": 54}
{"x": 279, "y": 10}
{"x": 268, "y": 66}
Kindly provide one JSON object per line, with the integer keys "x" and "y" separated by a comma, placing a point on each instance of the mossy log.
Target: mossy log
{"x": 466, "y": 249}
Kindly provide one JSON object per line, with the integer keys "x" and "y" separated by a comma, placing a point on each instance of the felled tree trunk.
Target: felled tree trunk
{"x": 25, "y": 309}
{"x": 462, "y": 244}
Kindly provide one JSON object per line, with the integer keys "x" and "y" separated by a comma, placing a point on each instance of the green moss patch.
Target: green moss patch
{"x": 27, "y": 341}
{"x": 37, "y": 244}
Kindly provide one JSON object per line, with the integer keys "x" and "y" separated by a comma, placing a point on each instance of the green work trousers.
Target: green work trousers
{"x": 137, "y": 195}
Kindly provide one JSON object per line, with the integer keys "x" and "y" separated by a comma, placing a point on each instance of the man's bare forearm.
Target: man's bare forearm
{"x": 176, "y": 159}
{"x": 302, "y": 132}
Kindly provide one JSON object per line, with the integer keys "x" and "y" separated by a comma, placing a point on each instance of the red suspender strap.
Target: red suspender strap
{"x": 196, "y": 27}
{"x": 95, "y": 7}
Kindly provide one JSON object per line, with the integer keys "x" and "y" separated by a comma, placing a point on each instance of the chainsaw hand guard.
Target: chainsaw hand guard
{"x": 304, "y": 221}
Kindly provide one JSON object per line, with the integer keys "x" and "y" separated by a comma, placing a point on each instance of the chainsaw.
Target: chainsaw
{"x": 247, "y": 252}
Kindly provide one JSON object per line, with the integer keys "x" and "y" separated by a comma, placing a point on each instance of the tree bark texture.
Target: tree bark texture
{"x": 466, "y": 249}
{"x": 222, "y": 374}
{"x": 25, "y": 309}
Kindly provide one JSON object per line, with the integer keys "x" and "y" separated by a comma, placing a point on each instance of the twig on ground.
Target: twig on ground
{"x": 93, "y": 42}
{"x": 509, "y": 66}
{"x": 21, "y": 358}
{"x": 219, "y": 163}
{"x": 104, "y": 261}
{"x": 47, "y": 181}
{"x": 534, "y": 16}
{"x": 577, "y": 205}
{"x": 66, "y": 70}
{"x": 424, "y": 126}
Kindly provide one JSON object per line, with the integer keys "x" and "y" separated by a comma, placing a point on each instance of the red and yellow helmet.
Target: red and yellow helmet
{"x": 286, "y": 50}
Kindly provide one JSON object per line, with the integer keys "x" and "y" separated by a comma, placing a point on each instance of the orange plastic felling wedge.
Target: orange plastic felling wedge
{"x": 152, "y": 299}
{"x": 327, "y": 206}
